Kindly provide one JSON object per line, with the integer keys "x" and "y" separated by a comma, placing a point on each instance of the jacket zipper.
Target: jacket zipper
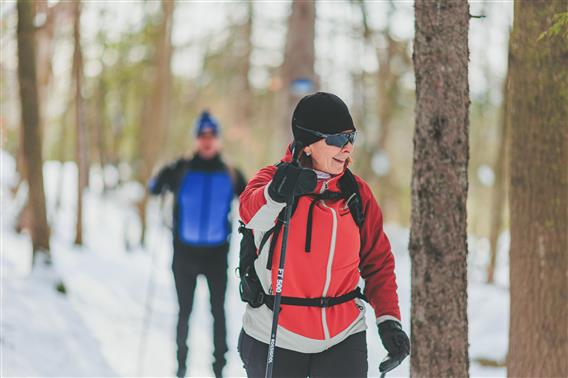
{"x": 323, "y": 187}
{"x": 328, "y": 269}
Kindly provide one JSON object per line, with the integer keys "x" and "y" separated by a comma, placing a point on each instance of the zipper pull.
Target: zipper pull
{"x": 323, "y": 187}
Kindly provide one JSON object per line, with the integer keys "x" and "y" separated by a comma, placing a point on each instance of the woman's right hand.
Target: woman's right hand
{"x": 291, "y": 180}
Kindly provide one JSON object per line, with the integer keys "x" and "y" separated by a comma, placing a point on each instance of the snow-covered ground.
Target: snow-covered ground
{"x": 113, "y": 290}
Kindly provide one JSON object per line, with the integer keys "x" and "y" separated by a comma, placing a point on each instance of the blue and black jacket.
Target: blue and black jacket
{"x": 203, "y": 190}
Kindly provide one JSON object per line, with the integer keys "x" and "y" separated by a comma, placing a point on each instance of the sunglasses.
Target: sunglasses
{"x": 337, "y": 140}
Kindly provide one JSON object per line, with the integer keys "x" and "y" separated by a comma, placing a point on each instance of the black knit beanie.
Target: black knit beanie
{"x": 323, "y": 112}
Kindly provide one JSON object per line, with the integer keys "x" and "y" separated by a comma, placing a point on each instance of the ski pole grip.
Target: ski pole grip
{"x": 387, "y": 364}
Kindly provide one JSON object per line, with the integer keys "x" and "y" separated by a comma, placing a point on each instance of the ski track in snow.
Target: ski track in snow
{"x": 96, "y": 330}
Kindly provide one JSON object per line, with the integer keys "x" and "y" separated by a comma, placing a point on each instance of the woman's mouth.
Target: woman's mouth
{"x": 339, "y": 161}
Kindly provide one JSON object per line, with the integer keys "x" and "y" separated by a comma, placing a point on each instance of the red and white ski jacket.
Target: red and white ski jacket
{"x": 341, "y": 254}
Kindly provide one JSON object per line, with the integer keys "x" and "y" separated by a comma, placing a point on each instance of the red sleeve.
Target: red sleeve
{"x": 377, "y": 260}
{"x": 253, "y": 197}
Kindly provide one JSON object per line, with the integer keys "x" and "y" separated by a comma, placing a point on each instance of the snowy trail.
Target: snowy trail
{"x": 43, "y": 334}
{"x": 96, "y": 329}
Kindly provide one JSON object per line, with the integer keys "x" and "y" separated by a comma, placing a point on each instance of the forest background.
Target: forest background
{"x": 117, "y": 87}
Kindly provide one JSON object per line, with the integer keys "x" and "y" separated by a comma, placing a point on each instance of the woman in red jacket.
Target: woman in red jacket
{"x": 328, "y": 252}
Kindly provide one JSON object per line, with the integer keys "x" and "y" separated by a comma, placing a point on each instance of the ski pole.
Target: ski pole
{"x": 148, "y": 303}
{"x": 280, "y": 276}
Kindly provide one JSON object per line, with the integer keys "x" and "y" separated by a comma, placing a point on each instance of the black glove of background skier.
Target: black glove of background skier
{"x": 291, "y": 180}
{"x": 395, "y": 342}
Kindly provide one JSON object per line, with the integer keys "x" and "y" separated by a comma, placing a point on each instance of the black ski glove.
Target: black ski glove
{"x": 395, "y": 342}
{"x": 291, "y": 180}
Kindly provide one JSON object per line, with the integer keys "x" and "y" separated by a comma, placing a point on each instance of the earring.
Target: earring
{"x": 308, "y": 153}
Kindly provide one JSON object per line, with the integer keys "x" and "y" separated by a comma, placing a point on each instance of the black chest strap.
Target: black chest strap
{"x": 315, "y": 302}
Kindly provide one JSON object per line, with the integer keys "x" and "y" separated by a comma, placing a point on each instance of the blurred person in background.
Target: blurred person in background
{"x": 204, "y": 188}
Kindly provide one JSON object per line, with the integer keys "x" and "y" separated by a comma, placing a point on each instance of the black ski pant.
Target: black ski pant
{"x": 346, "y": 359}
{"x": 188, "y": 263}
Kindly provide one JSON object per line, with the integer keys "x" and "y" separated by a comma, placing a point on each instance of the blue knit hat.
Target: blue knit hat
{"x": 205, "y": 123}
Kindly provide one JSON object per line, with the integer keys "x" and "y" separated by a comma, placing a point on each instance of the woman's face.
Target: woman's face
{"x": 326, "y": 158}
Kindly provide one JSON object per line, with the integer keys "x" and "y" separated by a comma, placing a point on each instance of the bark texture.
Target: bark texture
{"x": 438, "y": 239}
{"x": 31, "y": 141}
{"x": 538, "y": 333}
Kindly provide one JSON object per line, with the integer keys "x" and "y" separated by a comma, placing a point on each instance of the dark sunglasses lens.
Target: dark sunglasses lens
{"x": 337, "y": 140}
{"x": 340, "y": 140}
{"x": 352, "y": 137}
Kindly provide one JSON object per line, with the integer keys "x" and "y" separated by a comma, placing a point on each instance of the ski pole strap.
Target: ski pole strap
{"x": 315, "y": 302}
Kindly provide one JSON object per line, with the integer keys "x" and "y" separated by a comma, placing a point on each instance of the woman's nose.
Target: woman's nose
{"x": 347, "y": 148}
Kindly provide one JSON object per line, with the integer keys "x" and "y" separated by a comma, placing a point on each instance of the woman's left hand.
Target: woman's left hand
{"x": 396, "y": 343}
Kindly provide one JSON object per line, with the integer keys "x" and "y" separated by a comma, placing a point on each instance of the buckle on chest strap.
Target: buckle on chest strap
{"x": 325, "y": 302}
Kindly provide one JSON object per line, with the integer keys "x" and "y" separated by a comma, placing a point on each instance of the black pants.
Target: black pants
{"x": 346, "y": 359}
{"x": 187, "y": 264}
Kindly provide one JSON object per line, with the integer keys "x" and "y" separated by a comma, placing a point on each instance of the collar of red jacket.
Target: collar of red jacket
{"x": 332, "y": 183}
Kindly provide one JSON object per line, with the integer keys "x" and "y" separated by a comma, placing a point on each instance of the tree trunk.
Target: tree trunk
{"x": 31, "y": 141}
{"x": 538, "y": 331}
{"x": 60, "y": 193}
{"x": 100, "y": 127}
{"x": 44, "y": 47}
{"x": 81, "y": 145}
{"x": 438, "y": 236}
{"x": 243, "y": 99}
{"x": 43, "y": 52}
{"x": 393, "y": 61}
{"x": 23, "y": 219}
{"x": 155, "y": 124}
{"x": 298, "y": 64}
{"x": 499, "y": 192}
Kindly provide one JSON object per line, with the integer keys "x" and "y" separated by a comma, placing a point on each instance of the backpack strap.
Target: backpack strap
{"x": 265, "y": 238}
{"x": 350, "y": 190}
{"x": 327, "y": 195}
{"x": 275, "y": 231}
